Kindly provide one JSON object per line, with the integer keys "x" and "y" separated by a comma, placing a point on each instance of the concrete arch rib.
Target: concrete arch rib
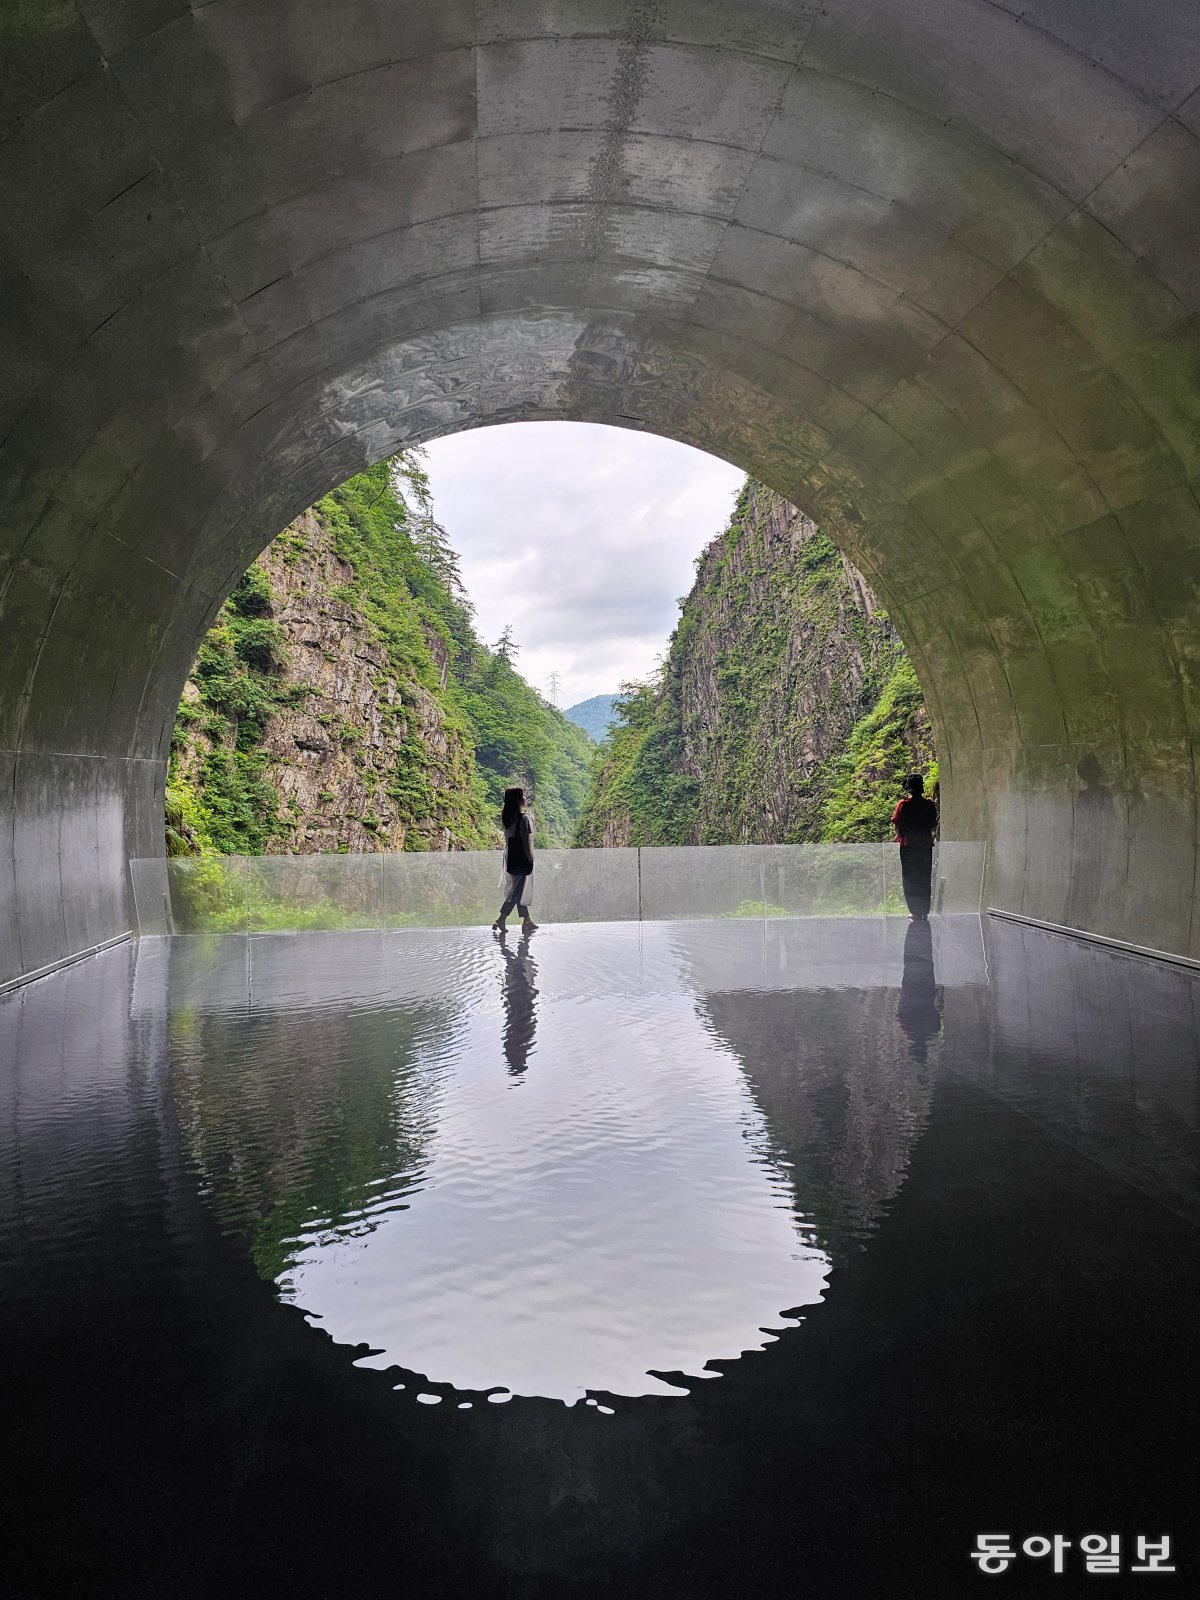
{"x": 927, "y": 269}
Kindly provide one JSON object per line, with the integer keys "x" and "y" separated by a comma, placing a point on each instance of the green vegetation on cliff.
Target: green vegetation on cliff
{"x": 640, "y": 794}
{"x": 228, "y": 804}
{"x": 786, "y": 709}
{"x": 864, "y": 781}
{"x": 342, "y": 700}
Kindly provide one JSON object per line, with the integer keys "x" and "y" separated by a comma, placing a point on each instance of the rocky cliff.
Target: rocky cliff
{"x": 786, "y": 709}
{"x": 342, "y": 702}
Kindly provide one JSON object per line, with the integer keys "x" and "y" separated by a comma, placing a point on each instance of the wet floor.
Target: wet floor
{"x": 695, "y": 1259}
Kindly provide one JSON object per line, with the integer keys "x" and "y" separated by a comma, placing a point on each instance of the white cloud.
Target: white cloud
{"x": 582, "y": 537}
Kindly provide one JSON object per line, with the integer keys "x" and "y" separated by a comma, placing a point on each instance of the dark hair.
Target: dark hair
{"x": 514, "y": 799}
{"x": 915, "y": 783}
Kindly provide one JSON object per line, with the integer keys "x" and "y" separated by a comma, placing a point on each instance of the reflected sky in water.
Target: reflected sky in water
{"x": 613, "y": 1213}
{"x": 493, "y": 1180}
{"x": 597, "y": 1160}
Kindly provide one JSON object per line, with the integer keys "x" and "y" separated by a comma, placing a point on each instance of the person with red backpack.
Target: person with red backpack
{"x": 915, "y": 822}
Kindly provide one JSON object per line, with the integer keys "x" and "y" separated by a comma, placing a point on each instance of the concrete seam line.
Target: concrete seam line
{"x": 1122, "y": 946}
{"x": 10, "y": 984}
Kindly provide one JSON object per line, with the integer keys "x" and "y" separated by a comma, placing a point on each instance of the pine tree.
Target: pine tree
{"x": 429, "y": 538}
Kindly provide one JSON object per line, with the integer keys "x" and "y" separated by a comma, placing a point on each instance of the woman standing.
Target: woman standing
{"x": 915, "y": 821}
{"x": 518, "y": 860}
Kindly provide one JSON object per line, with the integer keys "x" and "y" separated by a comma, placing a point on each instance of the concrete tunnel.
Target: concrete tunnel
{"x": 928, "y": 269}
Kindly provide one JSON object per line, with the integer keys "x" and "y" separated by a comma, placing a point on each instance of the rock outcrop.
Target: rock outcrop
{"x": 332, "y": 758}
{"x": 786, "y": 709}
{"x": 342, "y": 702}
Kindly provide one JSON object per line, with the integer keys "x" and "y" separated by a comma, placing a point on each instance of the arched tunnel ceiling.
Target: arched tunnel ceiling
{"x": 926, "y": 267}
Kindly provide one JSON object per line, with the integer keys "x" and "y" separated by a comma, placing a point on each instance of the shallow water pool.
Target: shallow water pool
{"x": 693, "y": 1258}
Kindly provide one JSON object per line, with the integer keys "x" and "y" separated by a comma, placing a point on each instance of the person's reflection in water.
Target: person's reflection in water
{"x": 520, "y": 1003}
{"x": 919, "y": 1012}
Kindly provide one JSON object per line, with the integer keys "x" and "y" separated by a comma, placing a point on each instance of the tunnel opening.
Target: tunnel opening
{"x": 346, "y": 699}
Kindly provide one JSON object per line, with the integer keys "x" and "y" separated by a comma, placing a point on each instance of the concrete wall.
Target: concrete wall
{"x": 928, "y": 269}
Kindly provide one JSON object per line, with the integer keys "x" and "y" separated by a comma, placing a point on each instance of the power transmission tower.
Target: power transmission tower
{"x": 554, "y": 681}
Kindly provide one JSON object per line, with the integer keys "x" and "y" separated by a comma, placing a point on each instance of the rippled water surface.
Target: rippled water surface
{"x": 496, "y": 1179}
{"x": 699, "y": 1259}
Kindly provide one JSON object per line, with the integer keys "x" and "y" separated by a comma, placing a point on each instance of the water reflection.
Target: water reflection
{"x": 312, "y": 1123}
{"x": 520, "y": 1003}
{"x": 844, "y": 1103}
{"x": 709, "y": 1127}
{"x": 919, "y": 1012}
{"x": 615, "y": 1228}
{"x": 618, "y": 1220}
{"x": 308, "y": 1084}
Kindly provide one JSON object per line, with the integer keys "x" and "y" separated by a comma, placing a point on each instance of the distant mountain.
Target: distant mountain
{"x": 593, "y": 715}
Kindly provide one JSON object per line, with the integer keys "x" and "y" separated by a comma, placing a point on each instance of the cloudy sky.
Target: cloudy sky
{"x": 580, "y": 536}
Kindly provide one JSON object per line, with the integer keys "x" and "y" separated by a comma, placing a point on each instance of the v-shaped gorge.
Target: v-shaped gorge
{"x": 591, "y": 1163}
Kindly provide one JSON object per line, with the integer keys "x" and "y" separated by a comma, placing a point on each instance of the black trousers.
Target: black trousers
{"x": 916, "y": 872}
{"x": 516, "y": 898}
